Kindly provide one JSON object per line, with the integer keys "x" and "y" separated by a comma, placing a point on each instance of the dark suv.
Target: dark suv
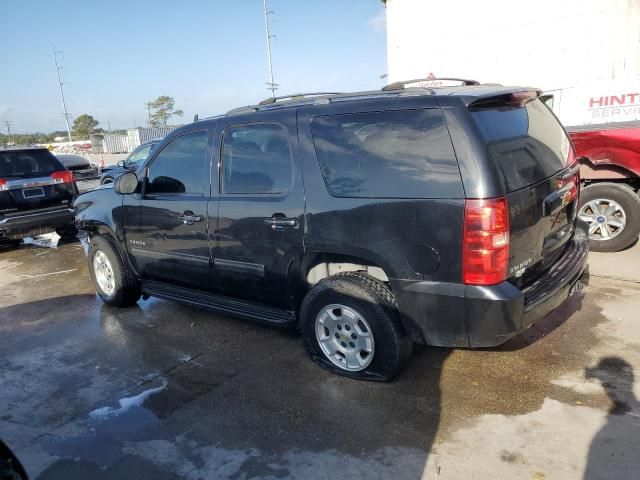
{"x": 370, "y": 221}
{"x": 36, "y": 193}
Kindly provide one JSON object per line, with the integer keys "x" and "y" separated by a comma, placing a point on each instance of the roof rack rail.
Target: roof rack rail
{"x": 295, "y": 96}
{"x": 401, "y": 85}
{"x": 240, "y": 110}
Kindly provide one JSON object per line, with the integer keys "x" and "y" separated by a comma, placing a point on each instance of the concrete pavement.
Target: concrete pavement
{"x": 164, "y": 391}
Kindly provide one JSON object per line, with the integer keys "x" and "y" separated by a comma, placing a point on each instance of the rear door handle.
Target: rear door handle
{"x": 188, "y": 218}
{"x": 280, "y": 222}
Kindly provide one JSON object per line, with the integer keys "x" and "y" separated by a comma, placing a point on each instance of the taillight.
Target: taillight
{"x": 485, "y": 250}
{"x": 63, "y": 176}
{"x": 3, "y": 183}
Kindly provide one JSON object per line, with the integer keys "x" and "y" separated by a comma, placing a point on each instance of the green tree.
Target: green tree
{"x": 84, "y": 125}
{"x": 162, "y": 110}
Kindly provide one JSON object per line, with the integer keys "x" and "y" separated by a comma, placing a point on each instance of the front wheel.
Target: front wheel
{"x": 612, "y": 212}
{"x": 114, "y": 282}
{"x": 351, "y": 326}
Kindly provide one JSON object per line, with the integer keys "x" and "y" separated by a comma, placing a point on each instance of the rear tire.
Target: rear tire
{"x": 611, "y": 210}
{"x": 113, "y": 280}
{"x": 359, "y": 311}
{"x": 70, "y": 231}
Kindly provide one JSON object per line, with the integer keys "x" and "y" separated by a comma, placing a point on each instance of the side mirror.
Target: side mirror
{"x": 122, "y": 164}
{"x": 126, "y": 184}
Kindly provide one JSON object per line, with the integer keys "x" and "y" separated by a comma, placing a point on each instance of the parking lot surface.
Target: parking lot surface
{"x": 164, "y": 390}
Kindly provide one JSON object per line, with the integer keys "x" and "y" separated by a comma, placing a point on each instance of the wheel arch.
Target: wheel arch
{"x": 312, "y": 267}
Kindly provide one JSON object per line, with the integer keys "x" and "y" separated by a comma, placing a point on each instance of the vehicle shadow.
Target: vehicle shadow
{"x": 615, "y": 450}
{"x": 551, "y": 322}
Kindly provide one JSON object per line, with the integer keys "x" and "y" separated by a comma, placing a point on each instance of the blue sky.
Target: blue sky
{"x": 208, "y": 54}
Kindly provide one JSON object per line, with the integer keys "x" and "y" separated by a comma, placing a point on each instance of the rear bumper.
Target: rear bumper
{"x": 36, "y": 223}
{"x": 456, "y": 315}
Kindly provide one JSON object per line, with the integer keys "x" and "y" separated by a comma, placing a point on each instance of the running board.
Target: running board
{"x": 221, "y": 304}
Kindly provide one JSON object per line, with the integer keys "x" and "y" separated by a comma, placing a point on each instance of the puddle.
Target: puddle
{"x": 109, "y": 428}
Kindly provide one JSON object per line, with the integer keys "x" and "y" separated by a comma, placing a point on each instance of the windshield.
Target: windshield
{"x": 28, "y": 164}
{"x": 139, "y": 155}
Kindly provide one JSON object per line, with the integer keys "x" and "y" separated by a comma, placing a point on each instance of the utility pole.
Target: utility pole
{"x": 8, "y": 124}
{"x": 64, "y": 104}
{"x": 271, "y": 85}
{"x": 148, "y": 105}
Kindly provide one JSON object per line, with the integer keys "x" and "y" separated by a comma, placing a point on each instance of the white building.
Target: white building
{"x": 549, "y": 44}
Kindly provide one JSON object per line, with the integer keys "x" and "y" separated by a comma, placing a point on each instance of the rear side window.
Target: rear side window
{"x": 256, "y": 159}
{"x": 526, "y": 141}
{"x": 180, "y": 166}
{"x": 393, "y": 154}
{"x": 28, "y": 164}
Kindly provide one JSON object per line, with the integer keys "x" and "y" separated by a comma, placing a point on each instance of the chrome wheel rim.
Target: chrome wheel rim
{"x": 605, "y": 217}
{"x": 345, "y": 337}
{"x": 104, "y": 273}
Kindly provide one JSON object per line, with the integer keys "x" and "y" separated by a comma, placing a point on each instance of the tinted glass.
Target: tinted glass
{"x": 395, "y": 154}
{"x": 256, "y": 159}
{"x": 180, "y": 166}
{"x": 28, "y": 164}
{"x": 526, "y": 141}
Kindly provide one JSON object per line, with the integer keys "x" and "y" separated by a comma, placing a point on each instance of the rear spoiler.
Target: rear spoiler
{"x": 513, "y": 97}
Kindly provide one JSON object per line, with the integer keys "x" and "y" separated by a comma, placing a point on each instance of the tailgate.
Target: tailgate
{"x": 535, "y": 159}
{"x": 33, "y": 179}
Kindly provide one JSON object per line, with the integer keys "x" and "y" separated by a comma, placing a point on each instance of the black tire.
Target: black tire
{"x": 6, "y": 245}
{"x": 372, "y": 299}
{"x": 127, "y": 287}
{"x": 628, "y": 201}
{"x": 70, "y": 231}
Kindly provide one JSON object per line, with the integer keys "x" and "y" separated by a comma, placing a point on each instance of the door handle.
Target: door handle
{"x": 188, "y": 218}
{"x": 280, "y": 222}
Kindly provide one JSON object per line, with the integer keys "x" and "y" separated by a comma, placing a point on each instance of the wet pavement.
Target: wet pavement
{"x": 164, "y": 390}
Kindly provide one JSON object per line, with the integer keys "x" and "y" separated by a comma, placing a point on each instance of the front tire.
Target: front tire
{"x": 613, "y": 213}
{"x": 114, "y": 282}
{"x": 351, "y": 326}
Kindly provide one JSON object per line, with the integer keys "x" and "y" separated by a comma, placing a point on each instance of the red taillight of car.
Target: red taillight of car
{"x": 63, "y": 176}
{"x": 485, "y": 250}
{"x": 3, "y": 184}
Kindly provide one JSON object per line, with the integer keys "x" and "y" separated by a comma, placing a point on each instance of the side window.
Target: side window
{"x": 256, "y": 159}
{"x": 180, "y": 166}
{"x": 393, "y": 154}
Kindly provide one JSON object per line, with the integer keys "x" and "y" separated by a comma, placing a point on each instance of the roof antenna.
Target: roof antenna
{"x": 195, "y": 118}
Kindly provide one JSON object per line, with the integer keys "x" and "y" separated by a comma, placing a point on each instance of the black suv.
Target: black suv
{"x": 36, "y": 193}
{"x": 370, "y": 221}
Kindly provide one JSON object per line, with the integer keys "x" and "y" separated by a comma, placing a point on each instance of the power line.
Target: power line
{"x": 271, "y": 85}
{"x": 64, "y": 104}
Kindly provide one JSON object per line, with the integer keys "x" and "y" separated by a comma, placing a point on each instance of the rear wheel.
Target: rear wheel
{"x": 114, "y": 282}
{"x": 70, "y": 231}
{"x": 351, "y": 326}
{"x": 612, "y": 212}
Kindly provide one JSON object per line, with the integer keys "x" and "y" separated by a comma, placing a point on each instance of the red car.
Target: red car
{"x": 610, "y": 172}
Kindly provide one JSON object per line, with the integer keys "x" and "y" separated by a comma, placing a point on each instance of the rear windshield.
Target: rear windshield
{"x": 526, "y": 142}
{"x": 392, "y": 154}
{"x": 28, "y": 164}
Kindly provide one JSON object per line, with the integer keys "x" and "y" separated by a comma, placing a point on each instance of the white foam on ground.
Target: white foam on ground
{"x": 126, "y": 404}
